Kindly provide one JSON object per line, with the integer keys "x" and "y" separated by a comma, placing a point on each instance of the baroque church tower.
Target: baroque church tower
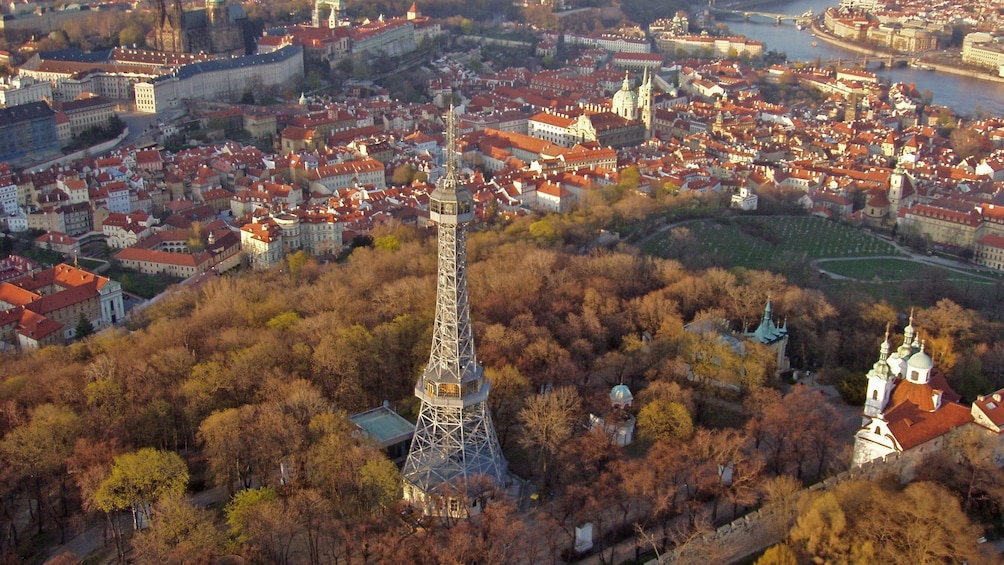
{"x": 909, "y": 403}
{"x": 645, "y": 102}
{"x": 880, "y": 380}
{"x": 455, "y": 439}
{"x": 901, "y": 191}
{"x": 337, "y": 9}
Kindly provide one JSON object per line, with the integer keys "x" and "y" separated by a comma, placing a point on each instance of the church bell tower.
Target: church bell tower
{"x": 881, "y": 381}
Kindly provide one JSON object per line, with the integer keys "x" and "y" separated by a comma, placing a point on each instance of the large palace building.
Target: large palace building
{"x": 217, "y": 28}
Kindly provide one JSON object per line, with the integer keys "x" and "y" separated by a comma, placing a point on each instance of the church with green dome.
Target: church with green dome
{"x": 910, "y": 409}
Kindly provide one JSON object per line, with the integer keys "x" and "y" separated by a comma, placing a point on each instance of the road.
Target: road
{"x": 139, "y": 125}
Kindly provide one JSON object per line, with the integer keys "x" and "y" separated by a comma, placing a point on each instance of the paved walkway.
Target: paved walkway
{"x": 92, "y": 538}
{"x": 85, "y": 543}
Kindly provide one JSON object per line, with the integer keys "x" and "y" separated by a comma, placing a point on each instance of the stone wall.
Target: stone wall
{"x": 765, "y": 527}
{"x": 98, "y": 149}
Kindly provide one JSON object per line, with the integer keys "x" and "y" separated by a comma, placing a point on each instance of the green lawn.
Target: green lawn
{"x": 141, "y": 284}
{"x": 90, "y": 264}
{"x": 766, "y": 242}
{"x": 885, "y": 270}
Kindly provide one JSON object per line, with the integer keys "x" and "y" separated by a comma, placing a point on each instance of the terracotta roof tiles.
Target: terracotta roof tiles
{"x": 912, "y": 426}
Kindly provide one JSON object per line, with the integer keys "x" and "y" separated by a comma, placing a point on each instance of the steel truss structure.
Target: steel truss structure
{"x": 454, "y": 440}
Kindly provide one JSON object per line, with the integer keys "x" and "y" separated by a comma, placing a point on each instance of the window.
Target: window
{"x": 450, "y": 390}
{"x": 875, "y": 394}
{"x": 471, "y": 387}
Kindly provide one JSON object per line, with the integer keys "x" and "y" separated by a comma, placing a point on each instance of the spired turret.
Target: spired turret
{"x": 897, "y": 362}
{"x": 645, "y": 103}
{"x": 881, "y": 381}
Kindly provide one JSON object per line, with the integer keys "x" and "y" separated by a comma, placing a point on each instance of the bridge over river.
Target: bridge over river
{"x": 804, "y": 19}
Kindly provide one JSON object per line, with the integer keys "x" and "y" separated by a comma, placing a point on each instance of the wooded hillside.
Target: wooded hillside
{"x": 250, "y": 378}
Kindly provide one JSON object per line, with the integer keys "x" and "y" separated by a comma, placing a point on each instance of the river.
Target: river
{"x": 966, "y": 95}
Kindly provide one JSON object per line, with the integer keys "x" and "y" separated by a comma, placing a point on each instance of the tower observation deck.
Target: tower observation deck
{"x": 454, "y": 440}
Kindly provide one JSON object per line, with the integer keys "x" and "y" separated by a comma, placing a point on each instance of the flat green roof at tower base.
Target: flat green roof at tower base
{"x": 384, "y": 425}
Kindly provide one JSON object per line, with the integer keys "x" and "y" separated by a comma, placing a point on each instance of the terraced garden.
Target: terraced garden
{"x": 859, "y": 262}
{"x": 770, "y": 242}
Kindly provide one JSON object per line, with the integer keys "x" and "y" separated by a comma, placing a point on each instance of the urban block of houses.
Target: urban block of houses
{"x": 167, "y": 252}
{"x": 44, "y": 308}
{"x": 330, "y": 178}
{"x": 16, "y": 266}
{"x": 495, "y": 149}
{"x": 270, "y": 236}
{"x": 126, "y": 230}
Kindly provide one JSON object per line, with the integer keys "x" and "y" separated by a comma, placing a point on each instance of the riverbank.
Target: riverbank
{"x": 824, "y": 35}
{"x": 952, "y": 70}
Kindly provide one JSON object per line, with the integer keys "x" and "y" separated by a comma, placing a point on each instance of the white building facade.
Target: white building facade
{"x": 223, "y": 78}
{"x": 17, "y": 90}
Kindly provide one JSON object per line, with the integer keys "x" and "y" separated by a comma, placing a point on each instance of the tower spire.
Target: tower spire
{"x": 454, "y": 437}
{"x": 451, "y": 148}
{"x": 645, "y": 102}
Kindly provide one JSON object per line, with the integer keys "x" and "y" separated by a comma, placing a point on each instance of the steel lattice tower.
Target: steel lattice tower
{"x": 454, "y": 437}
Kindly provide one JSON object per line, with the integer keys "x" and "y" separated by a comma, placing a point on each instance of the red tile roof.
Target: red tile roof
{"x": 992, "y": 240}
{"x": 164, "y": 257}
{"x": 57, "y": 301}
{"x": 920, "y": 394}
{"x": 37, "y": 326}
{"x": 912, "y": 426}
{"x": 993, "y": 406}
